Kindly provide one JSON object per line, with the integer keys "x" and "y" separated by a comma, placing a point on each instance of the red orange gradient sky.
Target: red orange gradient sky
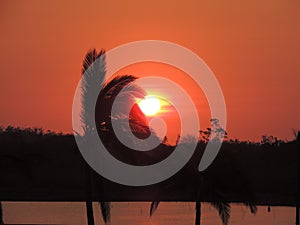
{"x": 251, "y": 46}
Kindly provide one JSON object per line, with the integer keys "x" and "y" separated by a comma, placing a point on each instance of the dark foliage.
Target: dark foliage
{"x": 153, "y": 207}
{"x": 1, "y": 214}
{"x": 105, "y": 211}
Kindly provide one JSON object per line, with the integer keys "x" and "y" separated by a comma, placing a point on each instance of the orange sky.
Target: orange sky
{"x": 251, "y": 46}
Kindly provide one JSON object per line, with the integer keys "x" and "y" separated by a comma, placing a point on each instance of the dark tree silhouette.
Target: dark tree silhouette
{"x": 220, "y": 205}
{"x": 205, "y": 187}
{"x": 93, "y": 72}
{"x": 223, "y": 209}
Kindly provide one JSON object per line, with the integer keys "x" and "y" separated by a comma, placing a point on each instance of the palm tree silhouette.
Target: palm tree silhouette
{"x": 203, "y": 186}
{"x": 93, "y": 72}
{"x": 220, "y": 204}
{"x": 223, "y": 209}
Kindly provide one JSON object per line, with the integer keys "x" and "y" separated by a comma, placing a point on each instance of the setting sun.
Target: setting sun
{"x": 150, "y": 105}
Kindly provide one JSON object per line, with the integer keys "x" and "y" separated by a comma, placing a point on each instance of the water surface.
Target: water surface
{"x": 137, "y": 213}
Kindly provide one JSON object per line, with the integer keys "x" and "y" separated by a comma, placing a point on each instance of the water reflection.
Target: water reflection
{"x": 138, "y": 214}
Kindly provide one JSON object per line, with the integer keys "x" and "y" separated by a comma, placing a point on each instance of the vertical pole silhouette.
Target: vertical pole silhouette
{"x": 198, "y": 213}
{"x": 89, "y": 212}
{"x": 1, "y": 214}
{"x": 298, "y": 181}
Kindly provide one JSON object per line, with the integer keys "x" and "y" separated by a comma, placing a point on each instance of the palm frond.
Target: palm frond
{"x": 139, "y": 129}
{"x": 113, "y": 87}
{"x": 93, "y": 71}
{"x": 108, "y": 95}
{"x": 127, "y": 93}
{"x": 105, "y": 211}
{"x": 223, "y": 210}
{"x": 252, "y": 207}
{"x": 89, "y": 58}
{"x": 153, "y": 207}
{"x": 133, "y": 90}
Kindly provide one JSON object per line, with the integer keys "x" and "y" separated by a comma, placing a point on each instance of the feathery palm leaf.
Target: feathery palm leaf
{"x": 112, "y": 88}
{"x": 93, "y": 71}
{"x": 127, "y": 93}
{"x": 252, "y": 207}
{"x": 153, "y": 207}
{"x": 109, "y": 93}
{"x": 105, "y": 211}
{"x": 223, "y": 209}
{"x": 90, "y": 58}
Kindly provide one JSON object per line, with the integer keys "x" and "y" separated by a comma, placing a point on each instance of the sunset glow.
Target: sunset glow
{"x": 251, "y": 48}
{"x": 150, "y": 105}
{"x": 165, "y": 112}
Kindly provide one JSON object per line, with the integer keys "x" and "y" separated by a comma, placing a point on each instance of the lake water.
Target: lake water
{"x": 137, "y": 213}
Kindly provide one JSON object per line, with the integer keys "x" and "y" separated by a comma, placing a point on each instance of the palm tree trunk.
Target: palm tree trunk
{"x": 298, "y": 183}
{"x": 89, "y": 202}
{"x": 1, "y": 214}
{"x": 198, "y": 213}
{"x": 89, "y": 212}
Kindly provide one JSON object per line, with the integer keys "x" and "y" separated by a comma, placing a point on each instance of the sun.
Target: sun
{"x": 150, "y": 105}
